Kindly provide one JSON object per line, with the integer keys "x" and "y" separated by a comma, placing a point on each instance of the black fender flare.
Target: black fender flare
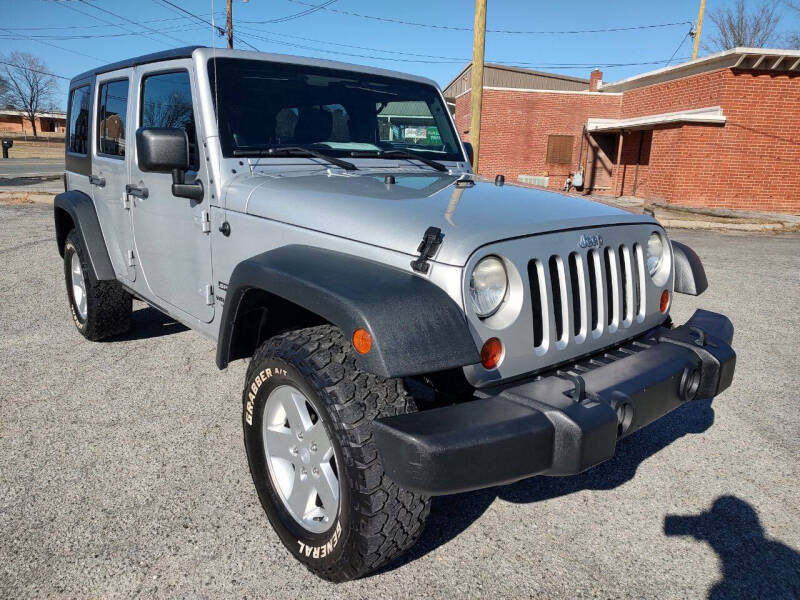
{"x": 690, "y": 276}
{"x": 415, "y": 326}
{"x": 81, "y": 211}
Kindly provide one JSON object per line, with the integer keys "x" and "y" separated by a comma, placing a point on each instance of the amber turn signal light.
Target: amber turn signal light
{"x": 664, "y": 301}
{"x": 491, "y": 353}
{"x": 362, "y": 341}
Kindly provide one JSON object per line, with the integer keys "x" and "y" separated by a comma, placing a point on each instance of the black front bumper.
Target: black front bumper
{"x": 561, "y": 424}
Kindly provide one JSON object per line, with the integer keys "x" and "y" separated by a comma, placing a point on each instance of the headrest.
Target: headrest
{"x": 313, "y": 125}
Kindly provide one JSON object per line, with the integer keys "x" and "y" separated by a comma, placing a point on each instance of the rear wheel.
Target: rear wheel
{"x": 100, "y": 309}
{"x": 307, "y": 414}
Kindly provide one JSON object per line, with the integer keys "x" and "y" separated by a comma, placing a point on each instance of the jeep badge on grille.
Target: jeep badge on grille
{"x": 590, "y": 241}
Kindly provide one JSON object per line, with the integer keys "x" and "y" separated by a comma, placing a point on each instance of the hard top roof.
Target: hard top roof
{"x": 187, "y": 51}
{"x": 173, "y": 53}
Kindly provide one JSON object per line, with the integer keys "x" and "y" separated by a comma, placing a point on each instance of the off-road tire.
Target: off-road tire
{"x": 377, "y": 520}
{"x": 108, "y": 305}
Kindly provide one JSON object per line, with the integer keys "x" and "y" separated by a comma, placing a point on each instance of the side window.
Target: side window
{"x": 111, "y": 116}
{"x": 167, "y": 102}
{"x": 78, "y": 134}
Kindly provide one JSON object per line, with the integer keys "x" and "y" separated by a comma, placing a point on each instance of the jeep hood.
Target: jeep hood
{"x": 362, "y": 207}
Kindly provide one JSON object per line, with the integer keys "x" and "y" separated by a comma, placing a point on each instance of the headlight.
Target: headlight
{"x": 487, "y": 286}
{"x": 655, "y": 252}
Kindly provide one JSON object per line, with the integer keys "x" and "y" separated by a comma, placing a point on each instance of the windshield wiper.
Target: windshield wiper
{"x": 398, "y": 154}
{"x": 279, "y": 151}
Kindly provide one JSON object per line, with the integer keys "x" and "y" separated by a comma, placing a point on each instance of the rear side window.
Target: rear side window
{"x": 111, "y": 117}
{"x": 167, "y": 102}
{"x": 78, "y": 134}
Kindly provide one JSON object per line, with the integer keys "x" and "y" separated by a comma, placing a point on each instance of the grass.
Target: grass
{"x": 37, "y": 149}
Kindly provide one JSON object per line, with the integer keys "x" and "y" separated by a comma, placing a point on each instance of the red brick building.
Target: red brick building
{"x": 16, "y": 121}
{"x": 721, "y": 131}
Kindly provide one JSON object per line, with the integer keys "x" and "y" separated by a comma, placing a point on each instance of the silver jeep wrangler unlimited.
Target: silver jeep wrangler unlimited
{"x": 411, "y": 329}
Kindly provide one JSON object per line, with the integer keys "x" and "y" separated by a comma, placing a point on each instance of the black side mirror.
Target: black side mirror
{"x": 160, "y": 150}
{"x": 470, "y": 152}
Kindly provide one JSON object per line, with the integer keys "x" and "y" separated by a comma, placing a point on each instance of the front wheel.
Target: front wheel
{"x": 307, "y": 414}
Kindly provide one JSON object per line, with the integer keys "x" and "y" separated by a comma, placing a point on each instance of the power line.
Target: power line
{"x": 202, "y": 20}
{"x": 297, "y": 37}
{"x": 2, "y": 62}
{"x": 148, "y": 21}
{"x": 441, "y": 59}
{"x": 688, "y": 33}
{"x": 506, "y": 31}
{"x": 304, "y": 47}
{"x": 430, "y": 59}
{"x": 70, "y": 6}
{"x": 314, "y": 8}
{"x": 113, "y": 14}
{"x": 220, "y": 31}
{"x": 59, "y": 47}
{"x": 88, "y": 36}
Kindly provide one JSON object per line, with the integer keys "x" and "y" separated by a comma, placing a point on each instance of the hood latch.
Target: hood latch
{"x": 427, "y": 249}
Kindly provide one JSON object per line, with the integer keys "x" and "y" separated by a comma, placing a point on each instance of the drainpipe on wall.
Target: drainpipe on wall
{"x": 619, "y": 159}
{"x": 638, "y": 161}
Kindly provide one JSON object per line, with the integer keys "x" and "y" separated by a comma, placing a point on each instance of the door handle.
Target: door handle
{"x": 98, "y": 181}
{"x": 139, "y": 192}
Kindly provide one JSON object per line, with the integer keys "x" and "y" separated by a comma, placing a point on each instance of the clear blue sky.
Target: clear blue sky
{"x": 362, "y": 40}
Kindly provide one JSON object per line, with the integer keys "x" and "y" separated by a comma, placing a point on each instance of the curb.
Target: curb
{"x": 711, "y": 225}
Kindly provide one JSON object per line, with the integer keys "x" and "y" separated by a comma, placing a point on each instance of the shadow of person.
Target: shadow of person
{"x": 752, "y": 565}
{"x": 149, "y": 323}
{"x": 451, "y": 515}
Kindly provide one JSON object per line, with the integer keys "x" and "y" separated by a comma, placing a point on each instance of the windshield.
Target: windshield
{"x": 264, "y": 105}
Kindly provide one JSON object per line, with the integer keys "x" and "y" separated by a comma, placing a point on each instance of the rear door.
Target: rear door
{"x": 110, "y": 138}
{"x": 172, "y": 239}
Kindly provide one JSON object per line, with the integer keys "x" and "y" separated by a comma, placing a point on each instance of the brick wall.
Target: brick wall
{"x": 750, "y": 163}
{"x": 697, "y": 91}
{"x": 20, "y": 124}
{"x": 12, "y": 123}
{"x": 515, "y": 126}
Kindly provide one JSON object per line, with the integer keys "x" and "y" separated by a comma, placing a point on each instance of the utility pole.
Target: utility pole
{"x": 230, "y": 23}
{"x": 478, "y": 47}
{"x": 698, "y": 28}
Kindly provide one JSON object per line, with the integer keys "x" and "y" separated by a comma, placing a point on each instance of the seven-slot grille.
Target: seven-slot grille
{"x": 585, "y": 294}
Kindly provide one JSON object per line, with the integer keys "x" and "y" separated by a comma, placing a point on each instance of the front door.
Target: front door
{"x": 173, "y": 246}
{"x": 600, "y": 169}
{"x": 110, "y": 169}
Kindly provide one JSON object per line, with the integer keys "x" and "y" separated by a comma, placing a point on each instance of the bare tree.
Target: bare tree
{"x": 3, "y": 91}
{"x": 30, "y": 86}
{"x": 793, "y": 38}
{"x": 737, "y": 26}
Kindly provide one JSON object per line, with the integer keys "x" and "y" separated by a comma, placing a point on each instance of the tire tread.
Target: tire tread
{"x": 109, "y": 306}
{"x": 387, "y": 518}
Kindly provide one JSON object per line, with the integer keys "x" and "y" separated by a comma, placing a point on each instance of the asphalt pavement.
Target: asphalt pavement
{"x": 11, "y": 168}
{"x": 122, "y": 471}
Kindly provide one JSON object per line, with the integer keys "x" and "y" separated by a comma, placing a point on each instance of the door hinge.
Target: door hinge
{"x": 126, "y": 201}
{"x": 205, "y": 222}
{"x": 209, "y": 291}
{"x": 131, "y": 258}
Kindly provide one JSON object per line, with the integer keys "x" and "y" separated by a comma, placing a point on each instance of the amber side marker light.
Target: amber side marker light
{"x": 491, "y": 353}
{"x": 664, "y": 301}
{"x": 362, "y": 341}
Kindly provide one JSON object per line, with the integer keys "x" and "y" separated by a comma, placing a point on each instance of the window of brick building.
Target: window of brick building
{"x": 559, "y": 149}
